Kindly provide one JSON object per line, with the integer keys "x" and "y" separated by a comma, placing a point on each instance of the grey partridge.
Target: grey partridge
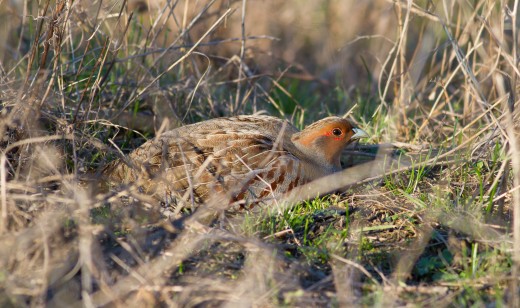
{"x": 251, "y": 159}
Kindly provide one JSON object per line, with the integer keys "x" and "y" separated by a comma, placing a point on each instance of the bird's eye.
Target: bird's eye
{"x": 337, "y": 132}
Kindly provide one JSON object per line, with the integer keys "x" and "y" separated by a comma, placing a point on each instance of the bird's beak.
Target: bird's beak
{"x": 358, "y": 134}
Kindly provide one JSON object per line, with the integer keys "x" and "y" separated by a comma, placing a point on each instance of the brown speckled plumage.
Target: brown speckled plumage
{"x": 251, "y": 159}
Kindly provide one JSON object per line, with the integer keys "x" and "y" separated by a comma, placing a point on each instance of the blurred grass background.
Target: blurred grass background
{"x": 439, "y": 224}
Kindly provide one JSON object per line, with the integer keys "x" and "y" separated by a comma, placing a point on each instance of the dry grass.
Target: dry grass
{"x": 428, "y": 212}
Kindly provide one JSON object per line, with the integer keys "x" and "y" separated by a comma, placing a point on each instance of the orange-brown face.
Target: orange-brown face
{"x": 339, "y": 132}
{"x": 328, "y": 137}
{"x": 333, "y": 137}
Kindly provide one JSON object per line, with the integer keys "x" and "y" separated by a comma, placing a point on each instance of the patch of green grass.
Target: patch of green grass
{"x": 432, "y": 267}
{"x": 316, "y": 228}
{"x": 408, "y": 182}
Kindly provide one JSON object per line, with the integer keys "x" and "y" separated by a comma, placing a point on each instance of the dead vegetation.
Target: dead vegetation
{"x": 428, "y": 213}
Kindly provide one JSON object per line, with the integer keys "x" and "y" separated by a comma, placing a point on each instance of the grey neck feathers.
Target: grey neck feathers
{"x": 313, "y": 154}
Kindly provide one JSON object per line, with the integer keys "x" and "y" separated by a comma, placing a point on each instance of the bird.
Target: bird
{"x": 250, "y": 159}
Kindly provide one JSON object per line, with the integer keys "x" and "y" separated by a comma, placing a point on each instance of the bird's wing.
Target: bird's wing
{"x": 244, "y": 164}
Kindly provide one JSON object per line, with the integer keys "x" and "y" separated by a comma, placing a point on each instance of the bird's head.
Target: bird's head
{"x": 324, "y": 140}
